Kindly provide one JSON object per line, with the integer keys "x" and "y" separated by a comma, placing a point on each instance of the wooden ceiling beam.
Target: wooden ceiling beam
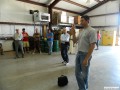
{"x": 94, "y": 7}
{"x": 97, "y": 1}
{"x": 54, "y": 3}
{"x": 32, "y": 2}
{"x": 44, "y": 5}
{"x": 77, "y": 4}
{"x": 50, "y": 11}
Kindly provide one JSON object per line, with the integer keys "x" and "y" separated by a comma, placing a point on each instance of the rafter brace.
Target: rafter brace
{"x": 32, "y": 2}
{"x": 54, "y": 3}
{"x": 77, "y": 4}
{"x": 94, "y": 7}
{"x": 98, "y": 1}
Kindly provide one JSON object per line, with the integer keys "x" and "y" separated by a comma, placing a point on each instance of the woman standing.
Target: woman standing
{"x": 98, "y": 39}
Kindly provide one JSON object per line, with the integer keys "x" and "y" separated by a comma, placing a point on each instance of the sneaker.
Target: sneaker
{"x": 33, "y": 53}
{"x": 16, "y": 57}
{"x": 49, "y": 53}
{"x": 96, "y": 49}
{"x": 22, "y": 55}
{"x": 67, "y": 64}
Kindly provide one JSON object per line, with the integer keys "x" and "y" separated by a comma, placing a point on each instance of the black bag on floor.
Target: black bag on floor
{"x": 62, "y": 81}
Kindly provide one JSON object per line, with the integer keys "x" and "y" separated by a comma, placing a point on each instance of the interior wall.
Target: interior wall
{"x": 109, "y": 7}
{"x": 109, "y": 20}
{"x": 17, "y": 12}
{"x": 105, "y": 20}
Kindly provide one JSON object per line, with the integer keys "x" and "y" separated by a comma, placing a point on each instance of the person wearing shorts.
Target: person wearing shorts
{"x": 25, "y": 40}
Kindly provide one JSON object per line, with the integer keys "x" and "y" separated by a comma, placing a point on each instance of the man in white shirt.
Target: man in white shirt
{"x": 64, "y": 46}
{"x": 18, "y": 43}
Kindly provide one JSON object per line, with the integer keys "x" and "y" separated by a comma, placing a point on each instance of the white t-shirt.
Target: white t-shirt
{"x": 65, "y": 37}
{"x": 86, "y": 37}
{"x": 18, "y": 36}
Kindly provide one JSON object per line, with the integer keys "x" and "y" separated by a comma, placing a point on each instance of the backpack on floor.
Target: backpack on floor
{"x": 62, "y": 80}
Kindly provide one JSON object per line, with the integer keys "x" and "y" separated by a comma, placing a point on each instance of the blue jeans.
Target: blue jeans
{"x": 97, "y": 43}
{"x": 50, "y": 46}
{"x": 82, "y": 72}
{"x": 19, "y": 44}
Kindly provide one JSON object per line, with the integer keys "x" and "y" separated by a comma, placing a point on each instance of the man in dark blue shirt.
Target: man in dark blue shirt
{"x": 50, "y": 41}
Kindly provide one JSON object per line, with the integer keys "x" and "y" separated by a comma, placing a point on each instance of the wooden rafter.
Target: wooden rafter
{"x": 32, "y": 2}
{"x": 94, "y": 7}
{"x": 54, "y": 3}
{"x": 77, "y": 4}
{"x": 16, "y": 23}
{"x": 50, "y": 10}
{"x": 98, "y": 1}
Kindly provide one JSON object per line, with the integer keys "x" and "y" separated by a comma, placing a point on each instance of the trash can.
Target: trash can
{"x": 56, "y": 46}
{"x": 42, "y": 47}
{"x": 46, "y": 46}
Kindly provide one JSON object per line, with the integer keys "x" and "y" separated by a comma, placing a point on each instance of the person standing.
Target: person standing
{"x": 36, "y": 37}
{"x": 86, "y": 44}
{"x": 98, "y": 39}
{"x": 18, "y": 43}
{"x": 64, "y": 46}
{"x": 1, "y": 49}
{"x": 25, "y": 40}
{"x": 50, "y": 41}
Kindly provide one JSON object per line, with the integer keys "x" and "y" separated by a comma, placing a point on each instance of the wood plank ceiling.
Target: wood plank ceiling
{"x": 72, "y": 6}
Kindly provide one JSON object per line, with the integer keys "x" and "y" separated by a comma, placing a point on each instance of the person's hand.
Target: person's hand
{"x": 49, "y": 36}
{"x": 73, "y": 31}
{"x": 85, "y": 63}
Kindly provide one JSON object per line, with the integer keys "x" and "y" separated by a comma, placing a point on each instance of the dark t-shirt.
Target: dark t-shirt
{"x": 36, "y": 36}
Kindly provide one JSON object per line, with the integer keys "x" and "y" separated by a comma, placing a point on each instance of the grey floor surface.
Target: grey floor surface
{"x": 40, "y": 71}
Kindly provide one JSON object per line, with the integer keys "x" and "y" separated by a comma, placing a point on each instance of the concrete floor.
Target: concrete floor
{"x": 40, "y": 71}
